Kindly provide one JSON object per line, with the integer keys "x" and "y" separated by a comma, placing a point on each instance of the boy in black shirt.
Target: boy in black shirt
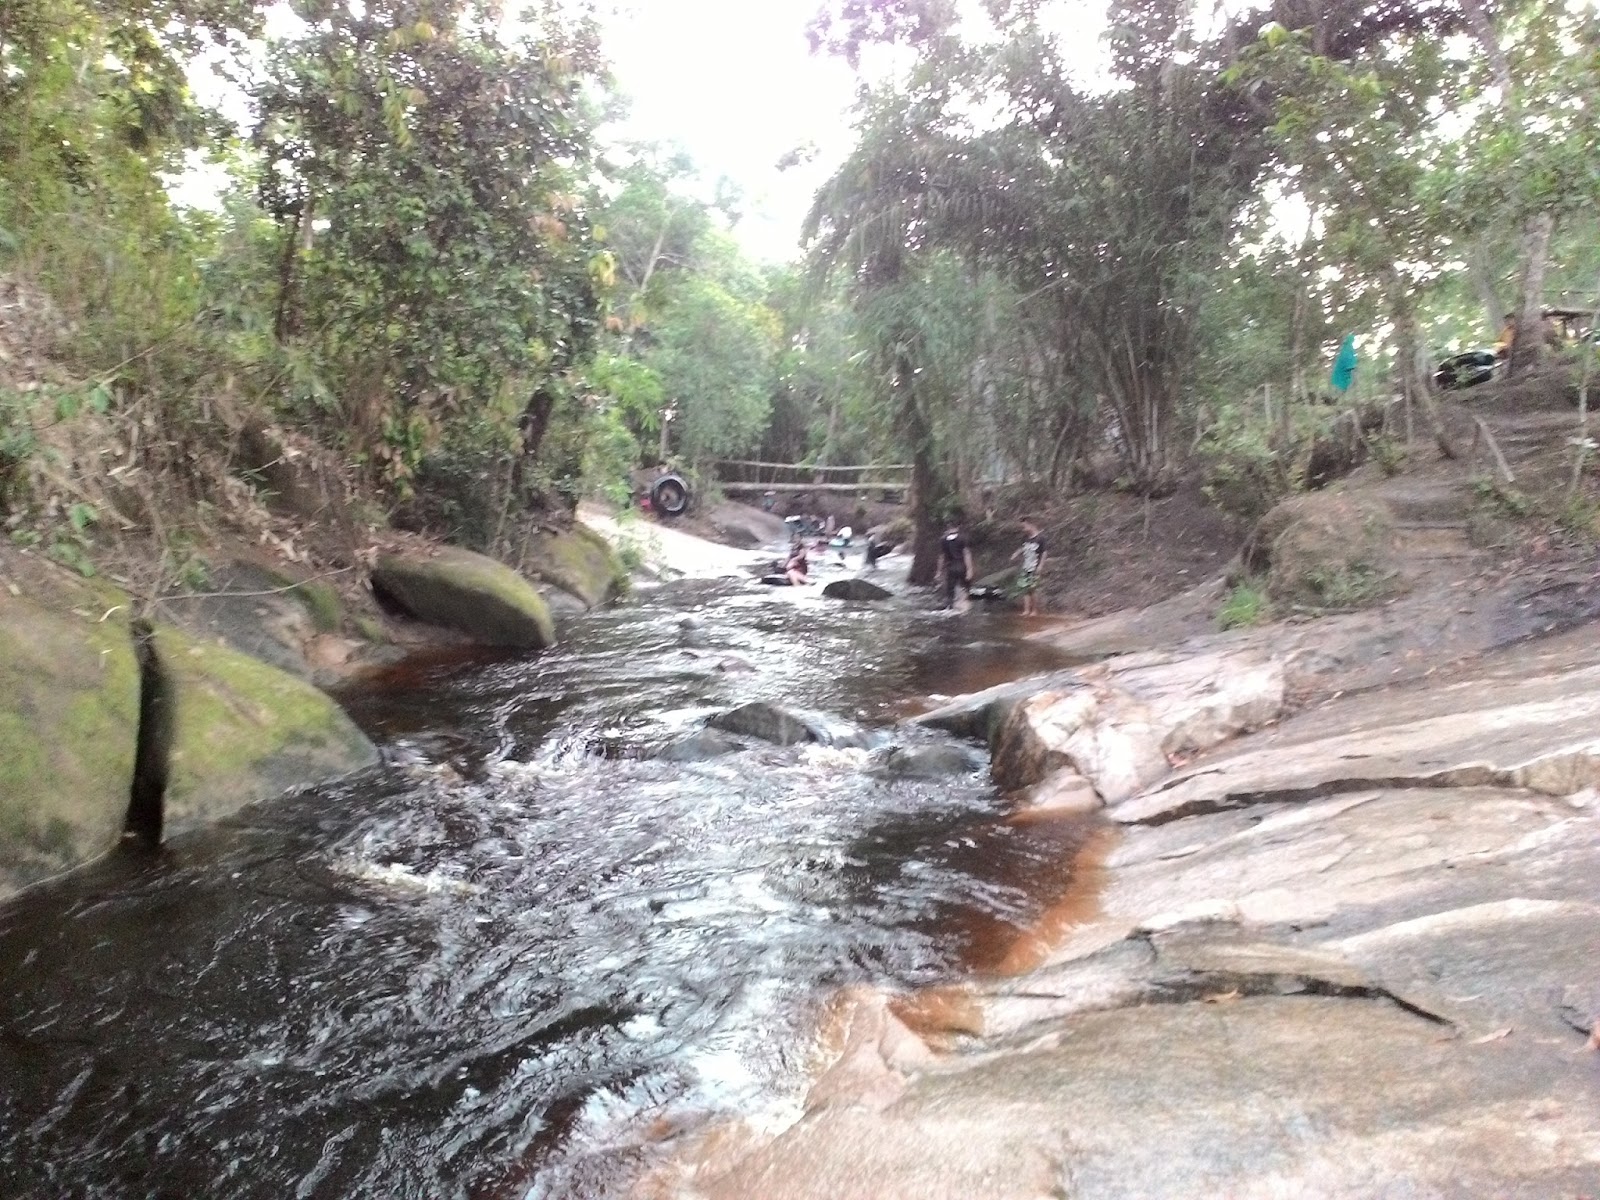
{"x": 955, "y": 565}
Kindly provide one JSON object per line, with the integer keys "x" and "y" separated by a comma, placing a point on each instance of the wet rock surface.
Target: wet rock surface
{"x": 927, "y": 762}
{"x": 855, "y": 589}
{"x": 765, "y": 721}
{"x": 1348, "y": 955}
{"x": 700, "y": 746}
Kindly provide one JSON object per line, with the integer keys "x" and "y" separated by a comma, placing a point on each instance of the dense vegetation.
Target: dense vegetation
{"x": 429, "y": 261}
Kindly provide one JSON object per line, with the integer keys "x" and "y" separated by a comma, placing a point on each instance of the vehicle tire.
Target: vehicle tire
{"x": 669, "y": 496}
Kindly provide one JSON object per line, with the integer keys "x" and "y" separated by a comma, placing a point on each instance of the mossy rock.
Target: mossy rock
{"x": 1326, "y": 550}
{"x": 236, "y": 730}
{"x": 578, "y": 561}
{"x": 466, "y": 592}
{"x": 69, "y": 727}
{"x": 322, "y": 605}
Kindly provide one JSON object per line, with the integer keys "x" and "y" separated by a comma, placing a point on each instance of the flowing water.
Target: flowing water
{"x": 521, "y": 955}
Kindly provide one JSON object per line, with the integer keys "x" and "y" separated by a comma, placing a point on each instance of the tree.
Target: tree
{"x": 435, "y": 252}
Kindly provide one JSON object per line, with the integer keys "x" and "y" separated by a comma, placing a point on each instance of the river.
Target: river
{"x": 523, "y": 955}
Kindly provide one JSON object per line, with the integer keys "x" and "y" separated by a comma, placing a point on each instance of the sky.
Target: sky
{"x": 733, "y": 82}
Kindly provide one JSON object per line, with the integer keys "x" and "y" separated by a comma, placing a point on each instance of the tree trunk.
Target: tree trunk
{"x": 536, "y": 423}
{"x": 1415, "y": 384}
{"x": 1529, "y": 340}
{"x": 926, "y": 495}
{"x": 1478, "y": 266}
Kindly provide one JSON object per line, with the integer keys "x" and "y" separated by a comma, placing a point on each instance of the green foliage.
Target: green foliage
{"x": 435, "y": 256}
{"x": 713, "y": 353}
{"x": 1390, "y": 453}
{"x": 1505, "y": 499}
{"x": 1243, "y": 472}
{"x": 1246, "y": 605}
{"x": 1349, "y": 585}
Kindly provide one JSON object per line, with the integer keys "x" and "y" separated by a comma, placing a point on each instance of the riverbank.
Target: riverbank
{"x": 1335, "y": 939}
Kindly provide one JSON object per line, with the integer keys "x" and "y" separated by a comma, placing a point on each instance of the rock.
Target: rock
{"x": 734, "y": 665}
{"x": 577, "y": 562}
{"x": 1536, "y": 732}
{"x": 928, "y": 762}
{"x": 1326, "y": 549}
{"x": 235, "y": 730}
{"x": 244, "y": 607}
{"x": 1359, "y": 944}
{"x": 999, "y": 581}
{"x": 699, "y": 746}
{"x": 1119, "y": 728}
{"x": 979, "y": 715}
{"x": 855, "y": 589}
{"x": 765, "y": 721}
{"x": 69, "y": 728}
{"x": 466, "y": 592}
{"x": 1060, "y": 793}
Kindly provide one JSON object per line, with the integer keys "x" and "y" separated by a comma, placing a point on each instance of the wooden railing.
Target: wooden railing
{"x": 740, "y": 475}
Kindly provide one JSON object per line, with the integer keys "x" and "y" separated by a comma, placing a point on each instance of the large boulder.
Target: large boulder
{"x": 577, "y": 561}
{"x": 231, "y": 730}
{"x": 69, "y": 727}
{"x": 855, "y": 589}
{"x": 1326, "y": 550}
{"x": 469, "y": 593}
{"x": 765, "y": 721}
{"x": 1119, "y": 728}
{"x": 254, "y": 610}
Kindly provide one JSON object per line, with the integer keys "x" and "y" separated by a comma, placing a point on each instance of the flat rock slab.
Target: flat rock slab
{"x": 1350, "y": 956}
{"x": 469, "y": 593}
{"x": 1542, "y": 733}
{"x": 1246, "y": 1097}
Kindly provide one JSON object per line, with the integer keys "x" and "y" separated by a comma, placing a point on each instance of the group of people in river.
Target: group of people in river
{"x": 798, "y": 565}
{"x": 955, "y": 569}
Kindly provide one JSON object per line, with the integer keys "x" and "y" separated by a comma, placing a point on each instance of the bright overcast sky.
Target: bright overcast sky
{"x": 733, "y": 82}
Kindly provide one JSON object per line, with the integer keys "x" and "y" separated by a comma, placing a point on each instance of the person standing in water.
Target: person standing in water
{"x": 1031, "y": 552}
{"x": 955, "y": 565}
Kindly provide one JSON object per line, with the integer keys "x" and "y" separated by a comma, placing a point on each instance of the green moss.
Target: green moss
{"x": 581, "y": 563}
{"x": 477, "y": 596}
{"x": 68, "y": 733}
{"x": 241, "y": 730}
{"x": 370, "y": 629}
{"x": 321, "y": 601}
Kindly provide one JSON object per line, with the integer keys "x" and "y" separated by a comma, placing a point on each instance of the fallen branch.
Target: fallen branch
{"x": 1494, "y": 448}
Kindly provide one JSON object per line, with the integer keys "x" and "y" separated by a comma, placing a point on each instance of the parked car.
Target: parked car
{"x": 1466, "y": 370}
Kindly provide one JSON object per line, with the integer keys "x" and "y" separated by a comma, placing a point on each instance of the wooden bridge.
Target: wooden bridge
{"x": 738, "y": 476}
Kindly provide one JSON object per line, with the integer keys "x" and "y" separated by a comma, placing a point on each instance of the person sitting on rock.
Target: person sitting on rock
{"x": 797, "y": 568}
